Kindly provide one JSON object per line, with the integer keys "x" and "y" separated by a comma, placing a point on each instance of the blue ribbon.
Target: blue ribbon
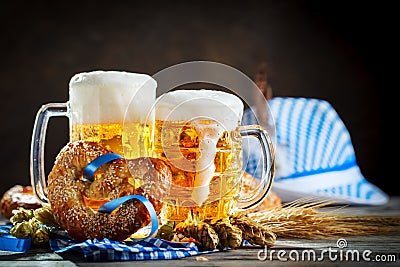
{"x": 115, "y": 203}
{"x": 108, "y": 207}
{"x": 91, "y": 168}
{"x": 9, "y": 242}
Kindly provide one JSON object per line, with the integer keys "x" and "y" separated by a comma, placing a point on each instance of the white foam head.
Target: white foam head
{"x": 186, "y": 105}
{"x": 104, "y": 96}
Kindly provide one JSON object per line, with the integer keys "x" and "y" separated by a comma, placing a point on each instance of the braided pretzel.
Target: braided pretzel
{"x": 69, "y": 193}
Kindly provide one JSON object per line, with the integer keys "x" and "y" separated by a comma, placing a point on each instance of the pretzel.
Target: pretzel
{"x": 18, "y": 196}
{"x": 74, "y": 200}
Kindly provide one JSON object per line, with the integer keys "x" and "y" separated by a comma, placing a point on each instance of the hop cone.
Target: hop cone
{"x": 166, "y": 231}
{"x": 252, "y": 231}
{"x": 45, "y": 216}
{"x": 22, "y": 229}
{"x": 41, "y": 236}
{"x": 229, "y": 235}
{"x": 21, "y": 215}
{"x": 28, "y": 223}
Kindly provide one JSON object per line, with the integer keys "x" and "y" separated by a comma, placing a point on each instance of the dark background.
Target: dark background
{"x": 339, "y": 51}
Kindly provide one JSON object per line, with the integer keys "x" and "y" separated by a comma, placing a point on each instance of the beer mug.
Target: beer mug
{"x": 198, "y": 133}
{"x": 96, "y": 109}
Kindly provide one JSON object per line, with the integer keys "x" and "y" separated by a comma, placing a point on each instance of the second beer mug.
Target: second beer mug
{"x": 96, "y": 108}
{"x": 198, "y": 133}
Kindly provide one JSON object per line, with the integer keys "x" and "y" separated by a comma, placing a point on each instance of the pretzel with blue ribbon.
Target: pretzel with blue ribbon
{"x": 110, "y": 206}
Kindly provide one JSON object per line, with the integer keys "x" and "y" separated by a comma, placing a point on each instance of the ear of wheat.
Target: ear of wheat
{"x": 320, "y": 219}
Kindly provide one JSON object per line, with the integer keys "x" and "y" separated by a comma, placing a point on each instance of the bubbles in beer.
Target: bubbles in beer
{"x": 195, "y": 133}
{"x": 111, "y": 108}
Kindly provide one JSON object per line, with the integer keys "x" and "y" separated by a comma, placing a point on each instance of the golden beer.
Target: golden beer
{"x": 178, "y": 143}
{"x": 131, "y": 140}
{"x": 109, "y": 136}
{"x": 198, "y": 133}
{"x": 111, "y": 109}
{"x": 108, "y": 107}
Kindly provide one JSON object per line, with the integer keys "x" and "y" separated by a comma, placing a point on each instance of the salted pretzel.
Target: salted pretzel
{"x": 74, "y": 199}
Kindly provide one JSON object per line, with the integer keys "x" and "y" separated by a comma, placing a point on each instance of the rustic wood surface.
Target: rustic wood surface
{"x": 377, "y": 249}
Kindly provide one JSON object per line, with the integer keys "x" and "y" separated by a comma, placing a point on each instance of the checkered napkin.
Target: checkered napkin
{"x": 109, "y": 250}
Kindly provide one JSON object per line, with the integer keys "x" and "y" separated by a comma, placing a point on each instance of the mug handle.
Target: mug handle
{"x": 254, "y": 198}
{"x": 38, "y": 176}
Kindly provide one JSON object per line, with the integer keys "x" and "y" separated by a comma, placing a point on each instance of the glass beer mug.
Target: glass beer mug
{"x": 96, "y": 108}
{"x": 198, "y": 133}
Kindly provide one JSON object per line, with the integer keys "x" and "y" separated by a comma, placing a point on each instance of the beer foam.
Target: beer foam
{"x": 186, "y": 105}
{"x": 205, "y": 168}
{"x": 105, "y": 96}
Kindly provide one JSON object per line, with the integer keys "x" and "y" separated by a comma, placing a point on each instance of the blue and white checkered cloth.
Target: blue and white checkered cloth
{"x": 109, "y": 250}
{"x": 314, "y": 154}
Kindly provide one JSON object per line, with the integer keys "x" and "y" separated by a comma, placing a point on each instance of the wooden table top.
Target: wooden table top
{"x": 362, "y": 250}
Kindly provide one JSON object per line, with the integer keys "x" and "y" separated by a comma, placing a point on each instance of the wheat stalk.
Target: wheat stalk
{"x": 308, "y": 219}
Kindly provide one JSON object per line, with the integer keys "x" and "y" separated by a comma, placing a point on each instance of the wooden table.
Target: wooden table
{"x": 301, "y": 252}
